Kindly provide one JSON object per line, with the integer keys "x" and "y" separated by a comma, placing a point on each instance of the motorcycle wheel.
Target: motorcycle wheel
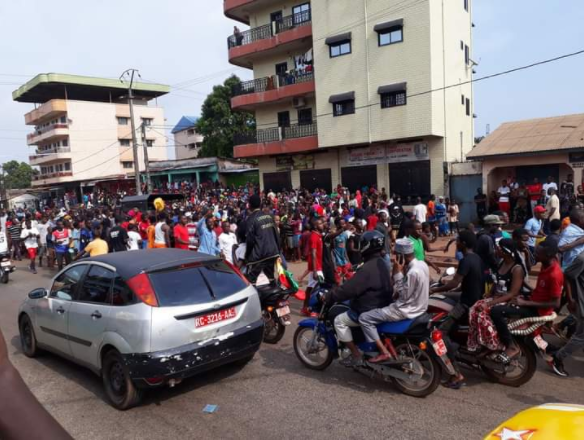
{"x": 4, "y": 278}
{"x": 525, "y": 366}
{"x": 431, "y": 372}
{"x": 273, "y": 328}
{"x": 315, "y": 361}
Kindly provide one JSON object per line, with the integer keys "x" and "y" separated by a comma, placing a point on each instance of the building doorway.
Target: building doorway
{"x": 312, "y": 179}
{"x": 277, "y": 182}
{"x": 356, "y": 178}
{"x": 410, "y": 180}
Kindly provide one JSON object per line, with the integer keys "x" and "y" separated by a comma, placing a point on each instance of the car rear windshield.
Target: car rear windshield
{"x": 195, "y": 285}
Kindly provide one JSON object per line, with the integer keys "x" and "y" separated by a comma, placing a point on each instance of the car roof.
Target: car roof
{"x": 131, "y": 263}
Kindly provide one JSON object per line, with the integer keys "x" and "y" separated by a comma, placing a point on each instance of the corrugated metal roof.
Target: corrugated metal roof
{"x": 532, "y": 136}
{"x": 184, "y": 123}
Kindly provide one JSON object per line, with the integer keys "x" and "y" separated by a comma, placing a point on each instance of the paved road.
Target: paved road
{"x": 273, "y": 397}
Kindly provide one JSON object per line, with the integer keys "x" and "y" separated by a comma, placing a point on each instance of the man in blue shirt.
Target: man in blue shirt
{"x": 534, "y": 227}
{"x": 207, "y": 237}
{"x": 572, "y": 238}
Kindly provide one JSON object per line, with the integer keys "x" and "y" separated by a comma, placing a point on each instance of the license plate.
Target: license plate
{"x": 5, "y": 264}
{"x": 283, "y": 311}
{"x": 439, "y": 347}
{"x": 212, "y": 318}
{"x": 540, "y": 342}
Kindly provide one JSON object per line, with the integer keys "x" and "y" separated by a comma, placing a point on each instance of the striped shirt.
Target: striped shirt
{"x": 15, "y": 231}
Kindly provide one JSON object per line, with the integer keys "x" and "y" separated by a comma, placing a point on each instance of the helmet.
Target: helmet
{"x": 371, "y": 243}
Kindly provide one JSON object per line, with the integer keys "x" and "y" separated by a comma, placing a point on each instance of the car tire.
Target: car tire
{"x": 28, "y": 339}
{"x": 4, "y": 278}
{"x": 119, "y": 388}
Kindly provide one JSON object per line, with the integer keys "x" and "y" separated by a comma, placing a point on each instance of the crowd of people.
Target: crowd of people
{"x": 336, "y": 233}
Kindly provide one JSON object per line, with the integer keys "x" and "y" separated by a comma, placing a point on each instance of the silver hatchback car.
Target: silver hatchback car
{"x": 144, "y": 319}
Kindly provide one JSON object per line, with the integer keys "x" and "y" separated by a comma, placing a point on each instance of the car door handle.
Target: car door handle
{"x": 96, "y": 315}
{"x": 60, "y": 310}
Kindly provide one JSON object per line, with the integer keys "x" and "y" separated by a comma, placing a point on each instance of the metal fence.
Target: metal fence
{"x": 271, "y": 83}
{"x": 276, "y": 134}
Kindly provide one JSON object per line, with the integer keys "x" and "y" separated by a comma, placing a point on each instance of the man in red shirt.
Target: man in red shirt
{"x": 314, "y": 261}
{"x": 181, "y": 234}
{"x": 543, "y": 300}
{"x": 534, "y": 193}
{"x": 372, "y": 220}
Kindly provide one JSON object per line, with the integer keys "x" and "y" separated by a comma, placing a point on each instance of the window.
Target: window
{"x": 123, "y": 121}
{"x": 65, "y": 285}
{"x": 122, "y": 295}
{"x": 191, "y": 132}
{"x": 301, "y": 13}
{"x": 466, "y": 55}
{"x": 193, "y": 146}
{"x": 65, "y": 142}
{"x": 149, "y": 142}
{"x": 67, "y": 166}
{"x": 97, "y": 286}
{"x": 344, "y": 107}
{"x": 63, "y": 119}
{"x": 393, "y": 99}
{"x": 284, "y": 119}
{"x": 391, "y": 36}
{"x": 305, "y": 116}
{"x": 127, "y": 165}
{"x": 147, "y": 121}
{"x": 467, "y": 107}
{"x": 125, "y": 142}
{"x": 341, "y": 48}
{"x": 465, "y": 5}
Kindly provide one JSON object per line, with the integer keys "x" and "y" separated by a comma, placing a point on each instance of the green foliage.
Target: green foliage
{"x": 17, "y": 175}
{"x": 218, "y": 123}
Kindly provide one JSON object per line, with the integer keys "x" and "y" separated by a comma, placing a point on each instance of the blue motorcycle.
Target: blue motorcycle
{"x": 414, "y": 367}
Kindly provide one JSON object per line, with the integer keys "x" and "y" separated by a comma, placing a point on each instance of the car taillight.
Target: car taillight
{"x": 140, "y": 285}
{"x": 235, "y": 269}
{"x": 436, "y": 335}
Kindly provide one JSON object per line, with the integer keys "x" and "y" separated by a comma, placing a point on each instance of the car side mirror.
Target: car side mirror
{"x": 38, "y": 293}
{"x": 450, "y": 271}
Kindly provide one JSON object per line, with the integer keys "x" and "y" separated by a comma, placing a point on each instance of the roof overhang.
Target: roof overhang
{"x": 47, "y": 86}
{"x": 382, "y": 27}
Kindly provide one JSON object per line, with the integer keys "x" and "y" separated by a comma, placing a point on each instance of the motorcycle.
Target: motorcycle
{"x": 6, "y": 267}
{"x": 413, "y": 368}
{"x": 526, "y": 332}
{"x": 275, "y": 311}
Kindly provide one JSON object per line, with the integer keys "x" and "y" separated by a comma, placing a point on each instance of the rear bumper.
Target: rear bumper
{"x": 188, "y": 360}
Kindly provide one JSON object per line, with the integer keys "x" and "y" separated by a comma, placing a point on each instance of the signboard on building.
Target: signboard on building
{"x": 296, "y": 162}
{"x": 406, "y": 152}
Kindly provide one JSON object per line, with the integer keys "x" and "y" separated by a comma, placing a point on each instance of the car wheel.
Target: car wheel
{"x": 119, "y": 388}
{"x": 27, "y": 337}
{"x": 4, "y": 278}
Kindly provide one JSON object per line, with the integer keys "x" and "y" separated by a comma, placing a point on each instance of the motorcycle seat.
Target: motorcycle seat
{"x": 401, "y": 327}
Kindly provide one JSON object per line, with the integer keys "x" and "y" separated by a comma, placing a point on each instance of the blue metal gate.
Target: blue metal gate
{"x": 463, "y": 189}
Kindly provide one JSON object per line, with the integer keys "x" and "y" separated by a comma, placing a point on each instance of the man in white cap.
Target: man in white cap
{"x": 411, "y": 285}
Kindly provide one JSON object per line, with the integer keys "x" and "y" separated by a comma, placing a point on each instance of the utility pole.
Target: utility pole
{"x": 130, "y": 73}
{"x": 146, "y": 162}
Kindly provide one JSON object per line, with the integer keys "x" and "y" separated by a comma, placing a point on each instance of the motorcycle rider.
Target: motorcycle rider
{"x": 262, "y": 242}
{"x": 370, "y": 288}
{"x": 411, "y": 279}
{"x": 5, "y": 243}
{"x": 469, "y": 277}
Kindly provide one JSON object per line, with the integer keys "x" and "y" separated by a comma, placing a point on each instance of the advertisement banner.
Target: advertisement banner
{"x": 296, "y": 162}
{"x": 283, "y": 163}
{"x": 406, "y": 152}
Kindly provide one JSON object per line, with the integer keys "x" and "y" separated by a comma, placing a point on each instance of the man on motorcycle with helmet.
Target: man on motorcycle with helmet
{"x": 370, "y": 288}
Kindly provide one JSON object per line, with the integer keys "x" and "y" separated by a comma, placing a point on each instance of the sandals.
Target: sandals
{"x": 454, "y": 385}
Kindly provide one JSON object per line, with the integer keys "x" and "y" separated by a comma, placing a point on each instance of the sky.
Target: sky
{"x": 182, "y": 43}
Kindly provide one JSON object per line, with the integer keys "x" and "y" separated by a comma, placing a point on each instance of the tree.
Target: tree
{"x": 17, "y": 175}
{"x": 218, "y": 123}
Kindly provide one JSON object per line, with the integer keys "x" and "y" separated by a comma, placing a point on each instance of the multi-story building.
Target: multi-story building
{"x": 82, "y": 131}
{"x": 187, "y": 142}
{"x": 355, "y": 92}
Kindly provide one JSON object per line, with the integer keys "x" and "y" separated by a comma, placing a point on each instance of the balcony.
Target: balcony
{"x": 50, "y": 155}
{"x": 288, "y": 34}
{"x": 277, "y": 140}
{"x": 271, "y": 89}
{"x": 47, "y": 133}
{"x": 46, "y": 111}
{"x": 44, "y": 179}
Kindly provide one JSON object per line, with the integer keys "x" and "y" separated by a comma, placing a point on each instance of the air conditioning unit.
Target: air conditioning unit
{"x": 298, "y": 102}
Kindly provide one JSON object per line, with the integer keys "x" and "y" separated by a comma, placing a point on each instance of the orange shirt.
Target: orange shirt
{"x": 431, "y": 209}
{"x": 150, "y": 233}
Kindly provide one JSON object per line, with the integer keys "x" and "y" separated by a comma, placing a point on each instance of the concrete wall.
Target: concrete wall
{"x": 182, "y": 139}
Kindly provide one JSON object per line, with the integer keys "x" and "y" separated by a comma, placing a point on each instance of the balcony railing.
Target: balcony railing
{"x": 52, "y": 175}
{"x": 271, "y": 82}
{"x": 41, "y": 131}
{"x": 269, "y": 30}
{"x": 43, "y": 153}
{"x": 276, "y": 134}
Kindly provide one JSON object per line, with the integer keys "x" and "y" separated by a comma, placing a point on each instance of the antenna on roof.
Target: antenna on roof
{"x": 488, "y": 130}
